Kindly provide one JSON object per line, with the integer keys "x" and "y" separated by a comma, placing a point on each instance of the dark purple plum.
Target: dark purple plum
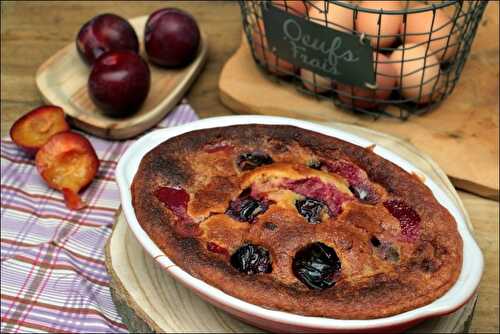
{"x": 171, "y": 37}
{"x": 251, "y": 259}
{"x": 251, "y": 160}
{"x": 317, "y": 266}
{"x": 103, "y": 33}
{"x": 246, "y": 208}
{"x": 311, "y": 209}
{"x": 119, "y": 82}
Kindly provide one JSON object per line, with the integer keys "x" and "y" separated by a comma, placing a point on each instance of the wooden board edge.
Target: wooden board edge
{"x": 121, "y": 295}
{"x": 468, "y": 321}
{"x": 477, "y": 189}
{"x": 134, "y": 323}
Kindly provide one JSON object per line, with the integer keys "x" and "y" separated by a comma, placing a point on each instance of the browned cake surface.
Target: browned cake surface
{"x": 334, "y": 230}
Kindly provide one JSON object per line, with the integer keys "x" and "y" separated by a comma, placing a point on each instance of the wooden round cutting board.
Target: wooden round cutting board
{"x": 62, "y": 81}
{"x": 149, "y": 300}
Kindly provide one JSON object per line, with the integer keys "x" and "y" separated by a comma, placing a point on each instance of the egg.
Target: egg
{"x": 385, "y": 80}
{"x": 314, "y": 82}
{"x": 411, "y": 71}
{"x": 338, "y": 18}
{"x": 389, "y": 23}
{"x": 298, "y": 8}
{"x": 420, "y": 25}
{"x": 275, "y": 65}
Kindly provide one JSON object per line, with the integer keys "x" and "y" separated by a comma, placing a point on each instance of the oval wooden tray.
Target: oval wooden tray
{"x": 62, "y": 81}
{"x": 148, "y": 299}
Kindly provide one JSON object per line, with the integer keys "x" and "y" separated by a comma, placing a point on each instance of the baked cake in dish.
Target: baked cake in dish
{"x": 293, "y": 220}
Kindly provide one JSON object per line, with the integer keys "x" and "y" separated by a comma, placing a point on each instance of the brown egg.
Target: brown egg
{"x": 385, "y": 79}
{"x": 295, "y": 7}
{"x": 420, "y": 25}
{"x": 314, "y": 82}
{"x": 275, "y": 64}
{"x": 338, "y": 18}
{"x": 389, "y": 24}
{"x": 413, "y": 72}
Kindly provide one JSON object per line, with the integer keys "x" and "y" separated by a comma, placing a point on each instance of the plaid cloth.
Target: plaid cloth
{"x": 53, "y": 275}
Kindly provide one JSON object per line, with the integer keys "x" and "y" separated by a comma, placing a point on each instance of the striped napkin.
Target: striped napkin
{"x": 53, "y": 275}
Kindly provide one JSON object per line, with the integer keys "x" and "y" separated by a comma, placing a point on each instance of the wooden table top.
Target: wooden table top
{"x": 32, "y": 31}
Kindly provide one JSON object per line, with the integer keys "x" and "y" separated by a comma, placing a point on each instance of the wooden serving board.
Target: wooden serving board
{"x": 62, "y": 80}
{"x": 461, "y": 135}
{"x": 149, "y": 300}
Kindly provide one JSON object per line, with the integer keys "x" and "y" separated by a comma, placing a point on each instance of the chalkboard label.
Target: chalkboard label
{"x": 331, "y": 53}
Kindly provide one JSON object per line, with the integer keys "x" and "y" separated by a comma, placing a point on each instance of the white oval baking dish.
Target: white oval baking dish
{"x": 458, "y": 295}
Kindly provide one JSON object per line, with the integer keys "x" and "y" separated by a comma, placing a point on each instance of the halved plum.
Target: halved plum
{"x": 409, "y": 219}
{"x": 251, "y": 259}
{"x": 176, "y": 199}
{"x": 35, "y": 128}
{"x": 359, "y": 183}
{"x": 246, "y": 208}
{"x": 68, "y": 163}
{"x": 311, "y": 209}
{"x": 317, "y": 266}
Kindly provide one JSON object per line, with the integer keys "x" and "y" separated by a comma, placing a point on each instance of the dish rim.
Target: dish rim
{"x": 453, "y": 299}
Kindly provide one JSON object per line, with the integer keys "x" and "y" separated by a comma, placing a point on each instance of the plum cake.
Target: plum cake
{"x": 297, "y": 221}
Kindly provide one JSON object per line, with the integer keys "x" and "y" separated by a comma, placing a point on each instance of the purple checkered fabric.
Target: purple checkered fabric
{"x": 53, "y": 275}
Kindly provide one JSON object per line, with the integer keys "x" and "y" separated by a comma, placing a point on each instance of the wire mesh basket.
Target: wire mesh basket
{"x": 417, "y": 50}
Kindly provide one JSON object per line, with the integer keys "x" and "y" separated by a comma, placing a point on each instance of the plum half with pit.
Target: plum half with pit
{"x": 34, "y": 129}
{"x": 171, "y": 37}
{"x": 119, "y": 82}
{"x": 103, "y": 33}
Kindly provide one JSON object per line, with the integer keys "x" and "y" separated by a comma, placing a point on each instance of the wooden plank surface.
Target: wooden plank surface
{"x": 32, "y": 31}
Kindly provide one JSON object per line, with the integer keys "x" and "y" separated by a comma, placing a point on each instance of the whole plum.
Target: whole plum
{"x": 119, "y": 82}
{"x": 171, "y": 37}
{"x": 103, "y": 33}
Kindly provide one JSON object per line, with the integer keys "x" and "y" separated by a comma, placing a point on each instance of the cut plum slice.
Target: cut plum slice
{"x": 176, "y": 200}
{"x": 214, "y": 248}
{"x": 359, "y": 184}
{"x": 68, "y": 163}
{"x": 314, "y": 188}
{"x": 409, "y": 220}
{"x": 34, "y": 129}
